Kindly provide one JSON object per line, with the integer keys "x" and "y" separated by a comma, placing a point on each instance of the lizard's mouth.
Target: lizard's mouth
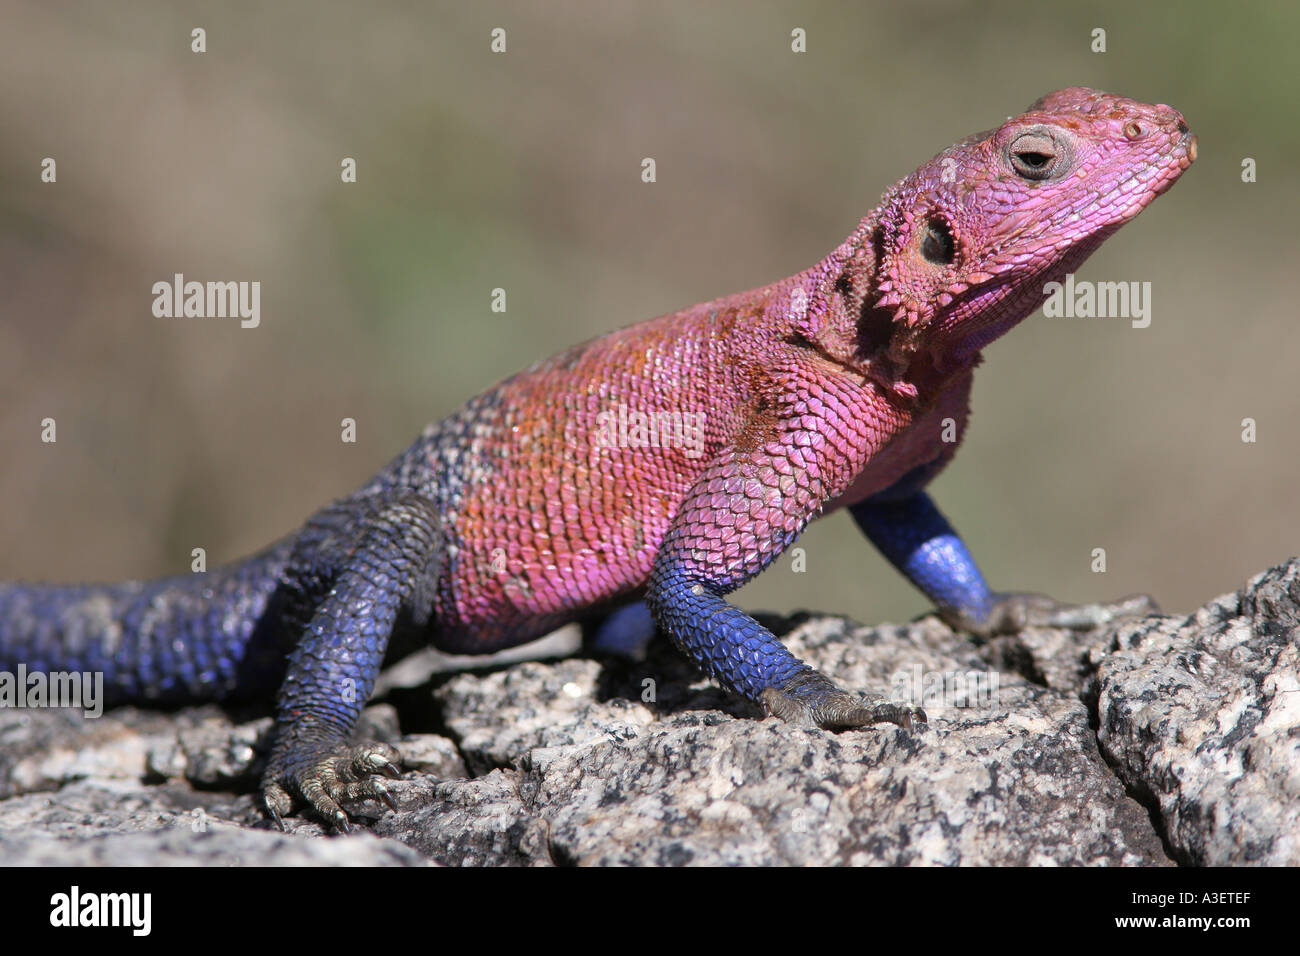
{"x": 1184, "y": 154}
{"x": 1166, "y": 173}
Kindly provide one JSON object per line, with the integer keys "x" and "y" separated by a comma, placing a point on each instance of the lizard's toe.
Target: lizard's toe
{"x": 895, "y": 712}
{"x": 278, "y": 803}
{"x": 1015, "y": 612}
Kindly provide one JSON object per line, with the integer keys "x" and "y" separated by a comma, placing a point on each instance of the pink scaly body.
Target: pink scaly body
{"x": 574, "y": 521}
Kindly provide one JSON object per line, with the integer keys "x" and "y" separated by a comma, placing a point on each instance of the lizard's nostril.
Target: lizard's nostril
{"x": 1182, "y": 126}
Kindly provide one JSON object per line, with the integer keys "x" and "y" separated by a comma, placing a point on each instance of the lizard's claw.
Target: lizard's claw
{"x": 1015, "y": 612}
{"x": 327, "y": 779}
{"x": 812, "y": 700}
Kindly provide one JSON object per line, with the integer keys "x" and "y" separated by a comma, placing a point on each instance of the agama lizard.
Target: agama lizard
{"x": 517, "y": 514}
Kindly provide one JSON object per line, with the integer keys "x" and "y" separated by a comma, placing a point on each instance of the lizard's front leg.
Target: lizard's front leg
{"x": 743, "y": 512}
{"x": 358, "y": 565}
{"x": 917, "y": 539}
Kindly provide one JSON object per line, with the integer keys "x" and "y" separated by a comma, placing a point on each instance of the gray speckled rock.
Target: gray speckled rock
{"x": 228, "y": 847}
{"x": 45, "y": 749}
{"x": 486, "y": 821}
{"x": 581, "y": 761}
{"x": 1203, "y": 714}
{"x": 618, "y": 780}
{"x": 118, "y": 822}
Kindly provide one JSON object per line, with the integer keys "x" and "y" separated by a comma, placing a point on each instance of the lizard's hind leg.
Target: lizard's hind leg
{"x": 357, "y": 567}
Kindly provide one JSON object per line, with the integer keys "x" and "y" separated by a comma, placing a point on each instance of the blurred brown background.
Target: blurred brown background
{"x": 522, "y": 171}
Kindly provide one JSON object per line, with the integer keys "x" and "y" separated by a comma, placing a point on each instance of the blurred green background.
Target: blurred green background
{"x": 522, "y": 171}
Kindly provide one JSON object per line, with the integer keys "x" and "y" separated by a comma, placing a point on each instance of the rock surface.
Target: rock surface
{"x": 1167, "y": 740}
{"x": 1203, "y": 714}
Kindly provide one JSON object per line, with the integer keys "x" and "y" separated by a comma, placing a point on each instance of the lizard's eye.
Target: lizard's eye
{"x": 1036, "y": 155}
{"x": 937, "y": 245}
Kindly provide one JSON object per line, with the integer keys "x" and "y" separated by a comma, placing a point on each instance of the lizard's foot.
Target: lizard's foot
{"x": 327, "y": 778}
{"x": 812, "y": 700}
{"x": 1015, "y": 612}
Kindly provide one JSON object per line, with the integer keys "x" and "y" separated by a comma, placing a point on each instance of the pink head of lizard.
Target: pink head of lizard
{"x": 965, "y": 245}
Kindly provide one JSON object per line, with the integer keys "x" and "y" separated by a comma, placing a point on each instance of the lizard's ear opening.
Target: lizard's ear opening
{"x": 937, "y": 245}
{"x": 921, "y": 253}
